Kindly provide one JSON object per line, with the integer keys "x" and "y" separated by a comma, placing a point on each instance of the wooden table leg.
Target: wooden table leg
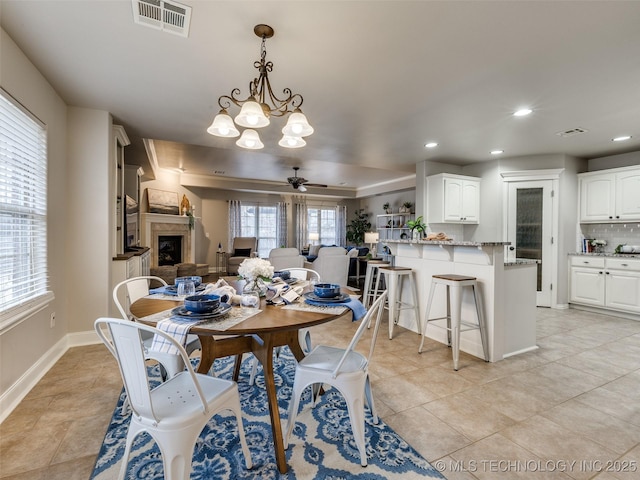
{"x": 207, "y": 354}
{"x": 263, "y": 350}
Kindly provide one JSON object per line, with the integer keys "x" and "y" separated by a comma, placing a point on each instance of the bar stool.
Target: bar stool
{"x": 455, "y": 284}
{"x": 372, "y": 292}
{"x": 394, "y": 277}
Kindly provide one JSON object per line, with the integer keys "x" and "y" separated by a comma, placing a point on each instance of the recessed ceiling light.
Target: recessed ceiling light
{"x": 496, "y": 152}
{"x": 522, "y": 112}
{"x": 431, "y": 145}
{"x": 622, "y": 138}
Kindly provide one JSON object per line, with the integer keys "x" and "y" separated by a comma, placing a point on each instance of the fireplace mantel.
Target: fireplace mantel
{"x": 157, "y": 224}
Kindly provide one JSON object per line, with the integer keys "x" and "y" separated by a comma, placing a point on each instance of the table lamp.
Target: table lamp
{"x": 372, "y": 239}
{"x": 314, "y": 237}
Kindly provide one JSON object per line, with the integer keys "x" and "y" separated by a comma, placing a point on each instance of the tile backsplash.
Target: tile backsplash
{"x": 614, "y": 234}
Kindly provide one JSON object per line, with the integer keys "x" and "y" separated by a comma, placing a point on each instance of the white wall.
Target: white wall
{"x": 614, "y": 161}
{"x": 22, "y": 347}
{"x": 89, "y": 250}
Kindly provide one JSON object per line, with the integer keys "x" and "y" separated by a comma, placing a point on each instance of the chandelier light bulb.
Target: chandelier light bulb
{"x": 250, "y": 139}
{"x": 291, "y": 142}
{"x": 252, "y": 116}
{"x": 297, "y": 125}
{"x": 223, "y": 126}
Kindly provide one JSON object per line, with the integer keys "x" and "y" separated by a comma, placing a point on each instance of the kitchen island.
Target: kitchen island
{"x": 508, "y": 292}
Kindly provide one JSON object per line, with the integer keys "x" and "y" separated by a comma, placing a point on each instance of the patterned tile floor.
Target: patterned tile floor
{"x": 570, "y": 409}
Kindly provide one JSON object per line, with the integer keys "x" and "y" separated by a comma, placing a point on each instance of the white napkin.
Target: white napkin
{"x": 226, "y": 292}
{"x": 280, "y": 293}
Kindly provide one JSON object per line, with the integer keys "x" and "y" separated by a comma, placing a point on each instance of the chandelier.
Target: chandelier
{"x": 261, "y": 104}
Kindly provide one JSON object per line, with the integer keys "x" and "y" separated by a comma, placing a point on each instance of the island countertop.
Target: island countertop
{"x": 453, "y": 243}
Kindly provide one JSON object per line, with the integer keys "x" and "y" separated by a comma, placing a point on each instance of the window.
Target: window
{"x": 260, "y": 221}
{"x": 23, "y": 212}
{"x": 323, "y": 222}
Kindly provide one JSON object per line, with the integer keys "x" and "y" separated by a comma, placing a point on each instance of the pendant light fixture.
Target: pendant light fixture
{"x": 262, "y": 103}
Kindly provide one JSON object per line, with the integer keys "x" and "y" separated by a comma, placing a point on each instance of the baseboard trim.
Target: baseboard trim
{"x": 16, "y": 393}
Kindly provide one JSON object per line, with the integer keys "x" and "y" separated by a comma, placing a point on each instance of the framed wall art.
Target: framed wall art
{"x": 160, "y": 201}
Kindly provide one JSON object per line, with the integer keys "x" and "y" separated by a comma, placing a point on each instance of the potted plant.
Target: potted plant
{"x": 406, "y": 207}
{"x": 418, "y": 228}
{"x": 386, "y": 207}
{"x": 358, "y": 226}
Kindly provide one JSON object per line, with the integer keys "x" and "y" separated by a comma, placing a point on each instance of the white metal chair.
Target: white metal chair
{"x": 175, "y": 412}
{"x": 304, "y": 335}
{"x": 347, "y": 371}
{"x": 134, "y": 289}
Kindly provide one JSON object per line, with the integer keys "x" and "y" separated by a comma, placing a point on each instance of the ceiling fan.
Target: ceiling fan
{"x": 301, "y": 184}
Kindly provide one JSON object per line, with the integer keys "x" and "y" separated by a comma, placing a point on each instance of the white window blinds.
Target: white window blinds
{"x": 23, "y": 208}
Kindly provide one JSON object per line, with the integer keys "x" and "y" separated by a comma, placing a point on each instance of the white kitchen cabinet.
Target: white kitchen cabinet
{"x": 612, "y": 283}
{"x": 453, "y": 199}
{"x": 610, "y": 196}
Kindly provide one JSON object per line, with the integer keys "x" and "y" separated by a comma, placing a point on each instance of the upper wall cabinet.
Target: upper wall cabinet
{"x": 453, "y": 199}
{"x": 610, "y": 196}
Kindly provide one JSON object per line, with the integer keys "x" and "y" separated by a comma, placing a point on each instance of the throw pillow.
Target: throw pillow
{"x": 242, "y": 252}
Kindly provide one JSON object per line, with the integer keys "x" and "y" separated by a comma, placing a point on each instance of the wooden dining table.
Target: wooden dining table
{"x": 272, "y": 327}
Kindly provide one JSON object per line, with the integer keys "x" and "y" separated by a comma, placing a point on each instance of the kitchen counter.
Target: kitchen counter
{"x": 508, "y": 292}
{"x": 606, "y": 254}
{"x": 452, "y": 243}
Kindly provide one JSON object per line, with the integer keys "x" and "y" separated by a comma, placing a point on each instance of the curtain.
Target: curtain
{"x": 235, "y": 224}
{"x": 281, "y": 224}
{"x": 301, "y": 225}
{"x": 341, "y": 225}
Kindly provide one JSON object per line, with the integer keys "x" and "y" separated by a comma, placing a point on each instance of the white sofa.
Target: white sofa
{"x": 332, "y": 264}
{"x": 283, "y": 258}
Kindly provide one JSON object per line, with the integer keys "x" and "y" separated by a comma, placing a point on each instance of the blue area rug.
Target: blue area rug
{"x": 321, "y": 445}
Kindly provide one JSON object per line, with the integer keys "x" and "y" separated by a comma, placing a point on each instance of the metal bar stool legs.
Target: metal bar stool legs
{"x": 372, "y": 292}
{"x": 394, "y": 277}
{"x": 454, "y": 285}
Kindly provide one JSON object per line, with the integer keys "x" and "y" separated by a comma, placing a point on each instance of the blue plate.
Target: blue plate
{"x": 342, "y": 298}
{"x": 183, "y": 313}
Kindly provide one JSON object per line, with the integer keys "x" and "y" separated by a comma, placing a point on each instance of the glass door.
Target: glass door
{"x": 529, "y": 220}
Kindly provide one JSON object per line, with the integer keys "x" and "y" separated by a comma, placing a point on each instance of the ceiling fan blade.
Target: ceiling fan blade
{"x": 315, "y": 185}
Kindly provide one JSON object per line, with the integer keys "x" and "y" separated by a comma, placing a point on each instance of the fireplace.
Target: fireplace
{"x": 169, "y": 249}
{"x": 169, "y": 238}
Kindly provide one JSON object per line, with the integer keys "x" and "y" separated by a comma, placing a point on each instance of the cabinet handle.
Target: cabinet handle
{"x": 617, "y": 216}
{"x": 624, "y": 264}
{"x": 607, "y": 273}
{"x": 586, "y": 263}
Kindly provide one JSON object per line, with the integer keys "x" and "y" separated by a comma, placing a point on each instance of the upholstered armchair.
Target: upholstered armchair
{"x": 242, "y": 248}
{"x": 283, "y": 258}
{"x": 332, "y": 264}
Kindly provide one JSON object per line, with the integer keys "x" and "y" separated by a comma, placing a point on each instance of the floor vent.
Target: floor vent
{"x": 572, "y": 132}
{"x": 171, "y": 17}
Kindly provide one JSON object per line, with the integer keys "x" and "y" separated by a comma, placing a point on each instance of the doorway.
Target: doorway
{"x": 530, "y": 226}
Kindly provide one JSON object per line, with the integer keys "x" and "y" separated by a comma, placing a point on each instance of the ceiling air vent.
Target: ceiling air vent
{"x": 572, "y": 132}
{"x": 171, "y": 17}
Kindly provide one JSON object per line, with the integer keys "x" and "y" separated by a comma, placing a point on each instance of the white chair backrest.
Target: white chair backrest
{"x": 135, "y": 288}
{"x": 376, "y": 309}
{"x": 332, "y": 264}
{"x": 125, "y": 343}
{"x": 285, "y": 257}
{"x": 303, "y": 273}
